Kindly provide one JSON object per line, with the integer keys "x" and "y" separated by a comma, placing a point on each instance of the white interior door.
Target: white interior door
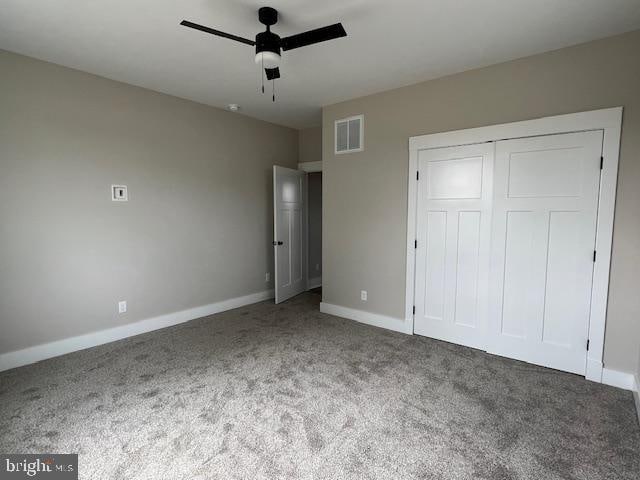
{"x": 543, "y": 237}
{"x": 453, "y": 243}
{"x": 289, "y": 225}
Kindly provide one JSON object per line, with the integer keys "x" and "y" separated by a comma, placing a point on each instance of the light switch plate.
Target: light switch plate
{"x": 119, "y": 193}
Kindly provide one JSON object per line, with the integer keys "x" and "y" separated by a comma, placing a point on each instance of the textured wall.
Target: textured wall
{"x": 197, "y": 228}
{"x": 365, "y": 194}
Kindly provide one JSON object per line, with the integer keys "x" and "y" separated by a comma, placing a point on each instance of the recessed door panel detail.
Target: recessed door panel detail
{"x": 435, "y": 265}
{"x": 468, "y": 268}
{"x": 290, "y": 190}
{"x": 546, "y": 173}
{"x": 455, "y": 178}
{"x": 563, "y": 306}
{"x": 516, "y": 305}
{"x": 284, "y": 265}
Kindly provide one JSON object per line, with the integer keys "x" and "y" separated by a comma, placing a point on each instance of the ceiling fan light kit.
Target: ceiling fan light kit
{"x": 269, "y": 45}
{"x": 268, "y": 59}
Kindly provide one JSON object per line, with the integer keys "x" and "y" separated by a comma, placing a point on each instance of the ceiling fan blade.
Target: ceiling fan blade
{"x": 272, "y": 73}
{"x": 313, "y": 36}
{"x": 202, "y": 28}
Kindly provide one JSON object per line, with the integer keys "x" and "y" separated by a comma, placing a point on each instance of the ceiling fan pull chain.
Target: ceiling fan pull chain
{"x": 258, "y": 82}
{"x": 273, "y": 84}
{"x": 262, "y": 74}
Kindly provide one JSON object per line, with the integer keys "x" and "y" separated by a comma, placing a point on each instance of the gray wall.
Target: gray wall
{"x": 365, "y": 194}
{"x": 310, "y": 144}
{"x": 197, "y": 228}
{"x": 315, "y": 224}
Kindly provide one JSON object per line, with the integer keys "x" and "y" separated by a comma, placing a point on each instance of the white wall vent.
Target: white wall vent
{"x": 349, "y": 134}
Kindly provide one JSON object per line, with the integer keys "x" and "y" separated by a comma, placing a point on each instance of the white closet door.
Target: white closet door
{"x": 543, "y": 237}
{"x": 453, "y": 235}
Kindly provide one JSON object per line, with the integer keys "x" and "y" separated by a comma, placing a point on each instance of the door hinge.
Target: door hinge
{"x": 594, "y": 255}
{"x": 414, "y": 309}
{"x": 418, "y": 175}
{"x": 587, "y": 345}
{"x": 415, "y": 244}
{"x": 601, "y": 163}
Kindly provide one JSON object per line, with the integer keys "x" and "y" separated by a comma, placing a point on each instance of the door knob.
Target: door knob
{"x": 277, "y": 243}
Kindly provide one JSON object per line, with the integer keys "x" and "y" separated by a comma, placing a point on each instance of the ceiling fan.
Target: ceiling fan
{"x": 268, "y": 44}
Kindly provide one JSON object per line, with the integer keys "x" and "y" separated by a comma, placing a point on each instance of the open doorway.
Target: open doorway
{"x": 297, "y": 231}
{"x": 314, "y": 227}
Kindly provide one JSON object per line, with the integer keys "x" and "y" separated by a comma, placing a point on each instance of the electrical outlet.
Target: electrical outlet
{"x": 363, "y": 295}
{"x": 122, "y": 306}
{"x": 267, "y": 277}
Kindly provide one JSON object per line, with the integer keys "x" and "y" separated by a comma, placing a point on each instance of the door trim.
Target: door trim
{"x": 610, "y": 122}
{"x": 310, "y": 167}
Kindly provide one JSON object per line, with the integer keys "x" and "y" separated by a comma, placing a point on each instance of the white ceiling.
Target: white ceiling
{"x": 389, "y": 43}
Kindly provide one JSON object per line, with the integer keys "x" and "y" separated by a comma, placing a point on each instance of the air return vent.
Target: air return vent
{"x": 349, "y": 134}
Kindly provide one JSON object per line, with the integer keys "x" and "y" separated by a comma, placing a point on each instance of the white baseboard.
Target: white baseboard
{"x": 29, "y": 355}
{"x": 618, "y": 379}
{"x": 390, "y": 323}
{"x": 314, "y": 283}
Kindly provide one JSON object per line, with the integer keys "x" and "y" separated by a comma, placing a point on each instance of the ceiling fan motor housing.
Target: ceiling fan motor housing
{"x": 267, "y": 42}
